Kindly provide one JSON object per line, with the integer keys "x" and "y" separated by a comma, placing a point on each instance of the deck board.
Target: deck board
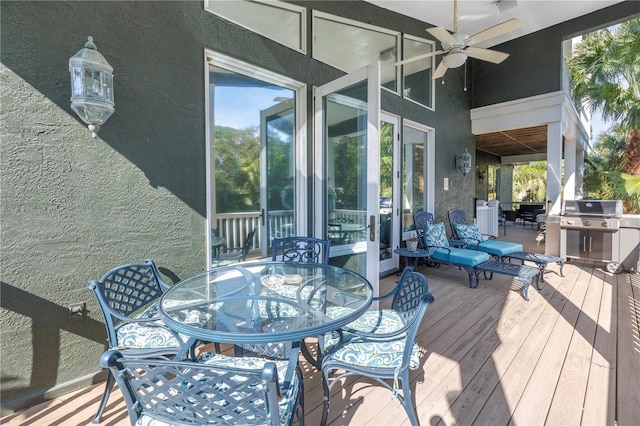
{"x": 571, "y": 355}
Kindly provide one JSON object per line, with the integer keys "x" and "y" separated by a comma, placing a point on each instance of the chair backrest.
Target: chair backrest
{"x": 420, "y": 220}
{"x": 126, "y": 291}
{"x": 301, "y": 249}
{"x": 410, "y": 301}
{"x": 190, "y": 392}
{"x": 456, "y": 216}
{"x": 341, "y": 219}
{"x": 247, "y": 244}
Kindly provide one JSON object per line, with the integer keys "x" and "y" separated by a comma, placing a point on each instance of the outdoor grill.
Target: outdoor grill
{"x": 590, "y": 229}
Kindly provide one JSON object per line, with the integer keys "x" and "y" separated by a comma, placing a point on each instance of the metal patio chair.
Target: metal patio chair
{"x": 227, "y": 256}
{"x": 216, "y": 389}
{"x": 128, "y": 297}
{"x": 301, "y": 249}
{"x": 381, "y": 344}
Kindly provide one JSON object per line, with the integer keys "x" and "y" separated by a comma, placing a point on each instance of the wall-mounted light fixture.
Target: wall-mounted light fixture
{"x": 481, "y": 176}
{"x": 91, "y": 86}
{"x": 463, "y": 162}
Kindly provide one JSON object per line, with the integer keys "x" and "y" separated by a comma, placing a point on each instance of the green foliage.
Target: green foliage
{"x": 529, "y": 181}
{"x": 605, "y": 73}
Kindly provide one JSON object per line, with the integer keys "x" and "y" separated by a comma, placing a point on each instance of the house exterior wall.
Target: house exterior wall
{"x": 534, "y": 66}
{"x": 73, "y": 207}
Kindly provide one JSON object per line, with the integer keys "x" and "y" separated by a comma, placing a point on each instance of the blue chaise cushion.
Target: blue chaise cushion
{"x": 459, "y": 256}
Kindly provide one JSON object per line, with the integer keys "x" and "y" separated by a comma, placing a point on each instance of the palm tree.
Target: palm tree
{"x": 605, "y": 72}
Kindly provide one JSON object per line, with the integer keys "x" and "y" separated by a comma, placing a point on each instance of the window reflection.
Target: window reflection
{"x": 418, "y": 85}
{"x": 351, "y": 45}
{"x": 259, "y": 17}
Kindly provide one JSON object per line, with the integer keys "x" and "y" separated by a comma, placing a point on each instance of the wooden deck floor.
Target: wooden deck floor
{"x": 569, "y": 356}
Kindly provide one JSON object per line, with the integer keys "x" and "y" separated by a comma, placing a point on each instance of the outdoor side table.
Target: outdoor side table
{"x": 541, "y": 260}
{"x": 522, "y": 272}
{"x": 415, "y": 254}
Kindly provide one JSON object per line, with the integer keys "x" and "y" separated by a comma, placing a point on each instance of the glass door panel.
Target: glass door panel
{"x": 347, "y": 169}
{"x": 254, "y": 128}
{"x": 278, "y": 162}
{"x": 389, "y": 191}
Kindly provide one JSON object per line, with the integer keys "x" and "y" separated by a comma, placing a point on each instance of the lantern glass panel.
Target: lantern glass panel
{"x": 92, "y": 83}
{"x": 76, "y": 81}
{"x": 108, "y": 87}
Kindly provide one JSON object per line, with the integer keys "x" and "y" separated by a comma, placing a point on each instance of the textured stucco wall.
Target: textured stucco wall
{"x": 535, "y": 62}
{"x": 73, "y": 207}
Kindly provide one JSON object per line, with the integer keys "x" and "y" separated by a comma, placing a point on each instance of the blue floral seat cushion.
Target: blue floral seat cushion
{"x": 153, "y": 334}
{"x": 370, "y": 352}
{"x": 435, "y": 236}
{"x": 459, "y": 256}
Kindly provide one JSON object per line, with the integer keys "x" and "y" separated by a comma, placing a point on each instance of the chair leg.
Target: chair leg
{"x": 105, "y": 397}
{"x": 408, "y": 400}
{"x": 325, "y": 397}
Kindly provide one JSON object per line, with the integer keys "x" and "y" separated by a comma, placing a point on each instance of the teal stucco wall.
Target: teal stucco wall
{"x": 72, "y": 207}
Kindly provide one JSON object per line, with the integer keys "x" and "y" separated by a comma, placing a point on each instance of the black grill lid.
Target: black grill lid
{"x": 608, "y": 208}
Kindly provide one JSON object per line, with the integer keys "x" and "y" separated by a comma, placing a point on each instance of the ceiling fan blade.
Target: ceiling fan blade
{"x": 417, "y": 58}
{"x": 442, "y": 35}
{"x": 439, "y": 72}
{"x": 495, "y": 31}
{"x": 486, "y": 55}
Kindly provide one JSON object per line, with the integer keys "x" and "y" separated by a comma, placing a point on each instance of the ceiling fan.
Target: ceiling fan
{"x": 458, "y": 46}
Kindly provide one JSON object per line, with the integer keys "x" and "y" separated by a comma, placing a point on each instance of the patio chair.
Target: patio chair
{"x": 474, "y": 240}
{"x": 381, "y": 344}
{"x": 301, "y": 249}
{"x": 214, "y": 390}
{"x": 128, "y": 297}
{"x": 228, "y": 256}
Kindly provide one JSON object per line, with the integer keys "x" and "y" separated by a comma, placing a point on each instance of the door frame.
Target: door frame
{"x": 301, "y": 176}
{"x": 371, "y": 74}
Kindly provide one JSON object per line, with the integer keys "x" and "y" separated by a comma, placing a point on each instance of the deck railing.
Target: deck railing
{"x": 234, "y": 227}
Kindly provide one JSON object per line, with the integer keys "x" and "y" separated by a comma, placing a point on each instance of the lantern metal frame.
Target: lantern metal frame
{"x": 92, "y": 96}
{"x": 463, "y": 162}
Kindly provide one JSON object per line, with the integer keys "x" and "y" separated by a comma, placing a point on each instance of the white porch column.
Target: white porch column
{"x": 579, "y": 173}
{"x": 569, "y": 169}
{"x": 554, "y": 167}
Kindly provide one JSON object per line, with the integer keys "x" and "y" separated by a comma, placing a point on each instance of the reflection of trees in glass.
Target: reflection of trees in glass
{"x": 386, "y": 160}
{"x": 237, "y": 165}
{"x": 279, "y": 151}
{"x": 349, "y": 171}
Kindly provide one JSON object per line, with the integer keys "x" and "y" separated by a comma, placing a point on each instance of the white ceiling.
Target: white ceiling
{"x": 477, "y": 15}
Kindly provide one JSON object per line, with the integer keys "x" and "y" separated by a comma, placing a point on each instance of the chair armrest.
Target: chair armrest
{"x": 458, "y": 243}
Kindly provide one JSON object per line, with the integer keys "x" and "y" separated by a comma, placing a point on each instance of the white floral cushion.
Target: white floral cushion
{"x": 145, "y": 335}
{"x": 468, "y": 233}
{"x": 435, "y": 236}
{"x": 370, "y": 352}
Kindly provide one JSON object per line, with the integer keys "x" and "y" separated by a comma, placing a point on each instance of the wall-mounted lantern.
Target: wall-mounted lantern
{"x": 91, "y": 86}
{"x": 463, "y": 162}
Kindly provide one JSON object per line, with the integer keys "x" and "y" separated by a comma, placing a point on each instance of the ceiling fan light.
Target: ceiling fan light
{"x": 454, "y": 59}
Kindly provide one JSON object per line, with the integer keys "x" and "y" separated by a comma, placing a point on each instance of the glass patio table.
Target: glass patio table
{"x": 263, "y": 302}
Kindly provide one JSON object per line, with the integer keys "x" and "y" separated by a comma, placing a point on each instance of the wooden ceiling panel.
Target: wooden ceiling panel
{"x": 530, "y": 140}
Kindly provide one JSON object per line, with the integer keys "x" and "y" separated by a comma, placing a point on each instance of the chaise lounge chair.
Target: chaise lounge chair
{"x": 474, "y": 240}
{"x": 473, "y": 261}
